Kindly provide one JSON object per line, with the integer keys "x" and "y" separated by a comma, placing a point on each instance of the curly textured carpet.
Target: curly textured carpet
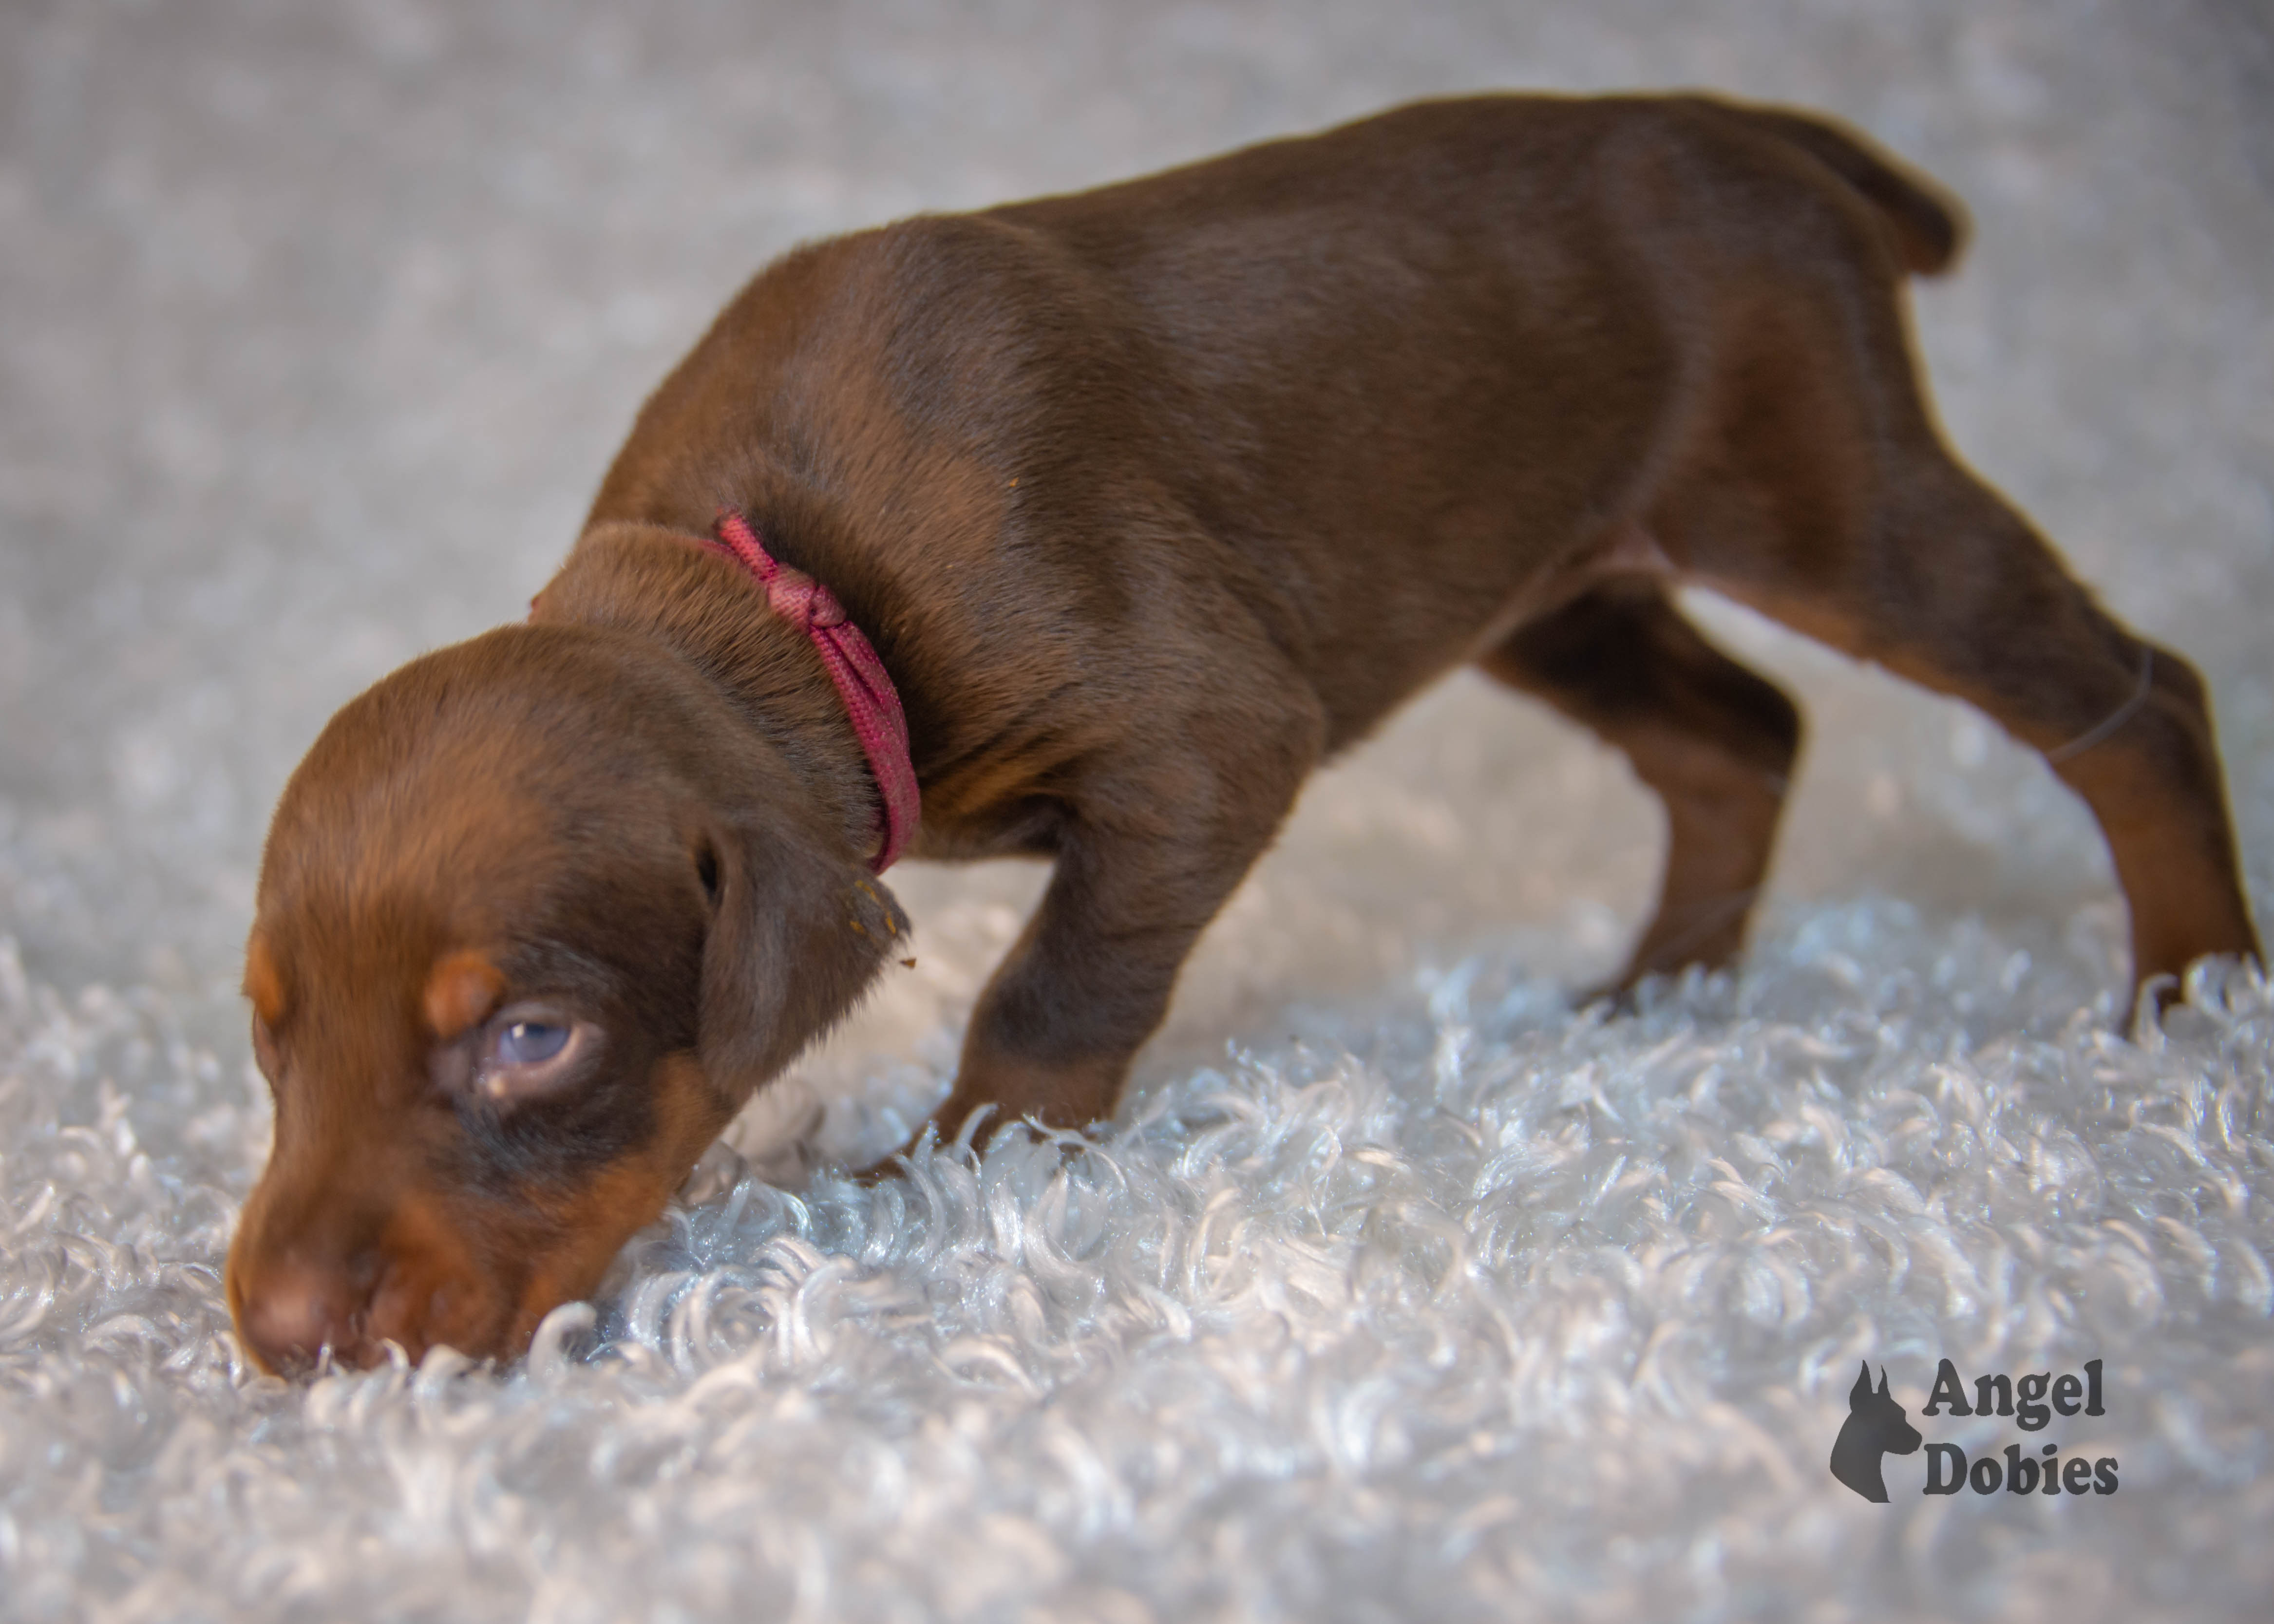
{"x": 1400, "y": 1290}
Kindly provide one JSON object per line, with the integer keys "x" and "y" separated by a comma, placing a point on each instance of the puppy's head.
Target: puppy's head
{"x": 537, "y": 914}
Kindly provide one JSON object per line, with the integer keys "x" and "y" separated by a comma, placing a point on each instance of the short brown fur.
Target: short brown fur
{"x": 1151, "y": 499}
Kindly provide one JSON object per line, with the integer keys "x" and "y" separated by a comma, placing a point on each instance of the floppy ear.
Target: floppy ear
{"x": 1860, "y": 1395}
{"x": 797, "y": 933}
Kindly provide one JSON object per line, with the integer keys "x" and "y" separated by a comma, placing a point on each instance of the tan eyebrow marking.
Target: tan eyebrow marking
{"x": 262, "y": 984}
{"x": 461, "y": 989}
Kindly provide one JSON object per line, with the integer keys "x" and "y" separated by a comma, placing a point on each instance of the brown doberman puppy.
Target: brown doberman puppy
{"x": 1151, "y": 500}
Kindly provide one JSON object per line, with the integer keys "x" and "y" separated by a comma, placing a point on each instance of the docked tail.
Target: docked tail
{"x": 1925, "y": 225}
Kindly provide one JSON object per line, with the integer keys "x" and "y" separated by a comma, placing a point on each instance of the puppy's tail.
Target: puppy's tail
{"x": 1926, "y": 226}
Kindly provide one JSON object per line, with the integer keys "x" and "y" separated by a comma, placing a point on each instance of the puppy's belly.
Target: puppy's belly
{"x": 1626, "y": 552}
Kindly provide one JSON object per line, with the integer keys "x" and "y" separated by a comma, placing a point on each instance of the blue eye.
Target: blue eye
{"x": 530, "y": 1043}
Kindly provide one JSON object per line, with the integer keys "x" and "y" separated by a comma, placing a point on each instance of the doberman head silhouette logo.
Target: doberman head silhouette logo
{"x": 1876, "y": 1426}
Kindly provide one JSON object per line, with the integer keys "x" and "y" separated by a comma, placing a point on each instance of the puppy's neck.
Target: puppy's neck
{"x": 704, "y": 609}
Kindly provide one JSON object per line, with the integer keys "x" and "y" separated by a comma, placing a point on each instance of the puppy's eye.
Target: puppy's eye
{"x": 530, "y": 1052}
{"x": 265, "y": 1053}
{"x": 530, "y": 1043}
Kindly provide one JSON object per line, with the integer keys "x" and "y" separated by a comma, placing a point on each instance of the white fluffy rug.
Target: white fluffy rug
{"x": 1401, "y": 1290}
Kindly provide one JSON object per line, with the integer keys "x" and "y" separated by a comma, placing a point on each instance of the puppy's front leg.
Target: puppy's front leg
{"x": 1089, "y": 978}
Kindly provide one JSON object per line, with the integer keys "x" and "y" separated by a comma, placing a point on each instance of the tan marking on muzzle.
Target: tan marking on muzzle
{"x": 595, "y": 1220}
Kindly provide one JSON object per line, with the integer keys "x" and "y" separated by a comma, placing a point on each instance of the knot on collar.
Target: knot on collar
{"x": 872, "y": 704}
{"x": 802, "y": 601}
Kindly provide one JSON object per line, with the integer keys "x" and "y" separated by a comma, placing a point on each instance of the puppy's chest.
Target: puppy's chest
{"x": 961, "y": 828}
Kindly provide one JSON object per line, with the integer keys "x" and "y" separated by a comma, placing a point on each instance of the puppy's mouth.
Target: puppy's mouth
{"x": 320, "y": 1269}
{"x": 413, "y": 1295}
{"x": 417, "y": 1288}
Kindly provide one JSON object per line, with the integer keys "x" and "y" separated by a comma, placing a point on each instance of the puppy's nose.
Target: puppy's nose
{"x": 293, "y": 1311}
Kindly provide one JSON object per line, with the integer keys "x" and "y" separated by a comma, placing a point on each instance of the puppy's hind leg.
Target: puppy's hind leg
{"x": 1954, "y": 590}
{"x": 1714, "y": 741}
{"x": 1811, "y": 484}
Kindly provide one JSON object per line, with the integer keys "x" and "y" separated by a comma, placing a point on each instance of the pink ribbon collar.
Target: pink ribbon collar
{"x": 871, "y": 700}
